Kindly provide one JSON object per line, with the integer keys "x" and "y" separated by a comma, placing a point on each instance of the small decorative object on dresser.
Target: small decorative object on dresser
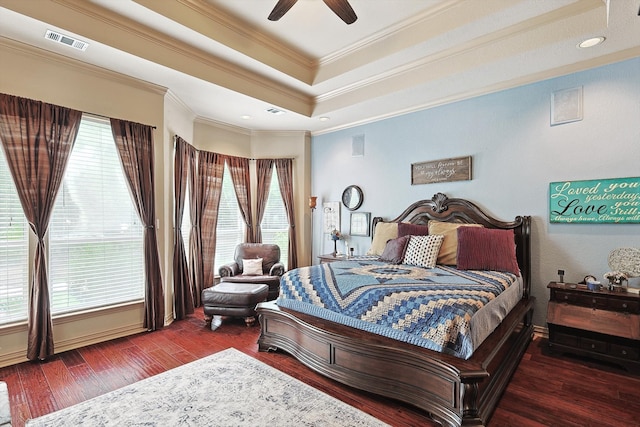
{"x": 602, "y": 325}
{"x": 617, "y": 280}
{"x": 335, "y": 236}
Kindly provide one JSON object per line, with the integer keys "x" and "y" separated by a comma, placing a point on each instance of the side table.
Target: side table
{"x": 604, "y": 325}
{"x": 331, "y": 258}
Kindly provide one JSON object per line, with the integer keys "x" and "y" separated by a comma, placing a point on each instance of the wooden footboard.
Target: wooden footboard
{"x": 455, "y": 392}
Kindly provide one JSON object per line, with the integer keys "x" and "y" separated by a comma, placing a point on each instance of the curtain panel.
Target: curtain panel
{"x": 37, "y": 139}
{"x": 195, "y": 241}
{"x": 239, "y": 171}
{"x": 134, "y": 143}
{"x": 209, "y": 189}
{"x": 284, "y": 168}
{"x": 264, "y": 171}
{"x": 182, "y": 287}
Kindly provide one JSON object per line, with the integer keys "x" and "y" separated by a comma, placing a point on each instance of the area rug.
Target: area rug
{"x": 226, "y": 389}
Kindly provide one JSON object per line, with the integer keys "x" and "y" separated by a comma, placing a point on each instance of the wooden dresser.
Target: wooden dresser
{"x": 600, "y": 324}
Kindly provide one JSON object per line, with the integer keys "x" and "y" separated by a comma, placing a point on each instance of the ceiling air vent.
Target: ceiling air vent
{"x": 66, "y": 40}
{"x": 275, "y": 111}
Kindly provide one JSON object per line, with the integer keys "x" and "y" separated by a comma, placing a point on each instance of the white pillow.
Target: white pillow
{"x": 252, "y": 267}
{"x": 423, "y": 250}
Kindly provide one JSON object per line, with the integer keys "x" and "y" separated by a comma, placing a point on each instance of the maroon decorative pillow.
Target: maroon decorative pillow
{"x": 482, "y": 248}
{"x": 408, "y": 229}
{"x": 394, "y": 250}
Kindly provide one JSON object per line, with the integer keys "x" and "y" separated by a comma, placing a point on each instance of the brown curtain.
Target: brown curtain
{"x": 239, "y": 170}
{"x": 284, "y": 167}
{"x": 209, "y": 176}
{"x": 264, "y": 170}
{"x": 195, "y": 239}
{"x": 37, "y": 139}
{"x": 182, "y": 289}
{"x": 135, "y": 148}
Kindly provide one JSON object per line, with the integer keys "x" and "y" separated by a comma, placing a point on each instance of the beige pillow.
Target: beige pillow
{"x": 252, "y": 267}
{"x": 449, "y": 248}
{"x": 384, "y": 232}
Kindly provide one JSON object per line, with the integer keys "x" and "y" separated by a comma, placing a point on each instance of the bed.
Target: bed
{"x": 458, "y": 382}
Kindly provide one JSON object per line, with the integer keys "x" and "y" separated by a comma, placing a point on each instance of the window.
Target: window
{"x": 14, "y": 250}
{"x": 231, "y": 227}
{"x": 95, "y": 236}
{"x": 275, "y": 225}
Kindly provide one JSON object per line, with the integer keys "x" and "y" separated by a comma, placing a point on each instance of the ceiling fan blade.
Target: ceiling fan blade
{"x": 343, "y": 9}
{"x": 280, "y": 9}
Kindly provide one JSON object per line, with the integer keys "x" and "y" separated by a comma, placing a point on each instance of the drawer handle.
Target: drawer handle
{"x": 593, "y": 300}
{"x": 566, "y": 297}
{"x": 593, "y": 346}
{"x": 624, "y": 305}
{"x": 624, "y": 352}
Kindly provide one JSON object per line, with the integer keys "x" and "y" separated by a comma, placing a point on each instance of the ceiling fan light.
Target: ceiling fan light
{"x": 594, "y": 41}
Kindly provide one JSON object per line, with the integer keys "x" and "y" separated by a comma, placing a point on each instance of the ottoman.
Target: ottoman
{"x": 234, "y": 300}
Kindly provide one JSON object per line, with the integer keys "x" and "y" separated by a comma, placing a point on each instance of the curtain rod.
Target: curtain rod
{"x": 107, "y": 117}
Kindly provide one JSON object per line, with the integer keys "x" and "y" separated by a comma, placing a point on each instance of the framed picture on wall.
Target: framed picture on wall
{"x": 566, "y": 106}
{"x": 359, "y": 223}
{"x": 331, "y": 217}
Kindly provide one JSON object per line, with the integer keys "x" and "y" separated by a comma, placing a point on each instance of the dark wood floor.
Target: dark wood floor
{"x": 545, "y": 390}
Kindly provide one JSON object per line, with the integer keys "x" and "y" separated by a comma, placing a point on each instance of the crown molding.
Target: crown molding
{"x": 498, "y": 43}
{"x": 413, "y": 31}
{"x": 180, "y": 103}
{"x": 222, "y": 125}
{"x": 75, "y": 64}
{"x": 102, "y": 25}
{"x": 281, "y": 133}
{"x": 232, "y": 33}
{"x": 498, "y": 87}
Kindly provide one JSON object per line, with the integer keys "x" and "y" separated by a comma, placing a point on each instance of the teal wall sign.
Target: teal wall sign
{"x": 614, "y": 200}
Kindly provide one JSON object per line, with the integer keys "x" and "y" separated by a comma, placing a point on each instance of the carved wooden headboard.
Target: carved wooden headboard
{"x": 442, "y": 208}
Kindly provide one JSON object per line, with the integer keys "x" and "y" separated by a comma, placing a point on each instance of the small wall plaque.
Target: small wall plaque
{"x": 566, "y": 106}
{"x": 445, "y": 170}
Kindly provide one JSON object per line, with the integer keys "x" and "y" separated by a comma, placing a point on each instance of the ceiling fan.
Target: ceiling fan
{"x": 342, "y": 8}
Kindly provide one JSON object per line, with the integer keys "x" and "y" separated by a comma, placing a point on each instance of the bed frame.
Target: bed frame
{"x": 453, "y": 391}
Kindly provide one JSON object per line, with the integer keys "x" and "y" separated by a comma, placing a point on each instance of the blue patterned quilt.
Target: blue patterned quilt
{"x": 430, "y": 308}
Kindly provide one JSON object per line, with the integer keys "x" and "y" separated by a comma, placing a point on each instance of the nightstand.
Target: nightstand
{"x": 331, "y": 258}
{"x": 603, "y": 325}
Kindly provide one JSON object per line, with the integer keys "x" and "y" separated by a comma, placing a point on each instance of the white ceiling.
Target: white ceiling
{"x": 224, "y": 59}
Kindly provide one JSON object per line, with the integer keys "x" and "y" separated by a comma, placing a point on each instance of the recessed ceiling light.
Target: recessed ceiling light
{"x": 591, "y": 42}
{"x": 245, "y": 117}
{"x": 323, "y": 119}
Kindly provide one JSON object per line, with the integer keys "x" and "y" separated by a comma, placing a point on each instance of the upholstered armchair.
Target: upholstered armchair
{"x": 247, "y": 269}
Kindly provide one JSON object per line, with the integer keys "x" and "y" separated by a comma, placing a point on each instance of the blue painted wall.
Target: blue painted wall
{"x": 516, "y": 154}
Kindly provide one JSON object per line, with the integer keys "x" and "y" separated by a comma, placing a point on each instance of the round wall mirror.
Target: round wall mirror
{"x": 352, "y": 197}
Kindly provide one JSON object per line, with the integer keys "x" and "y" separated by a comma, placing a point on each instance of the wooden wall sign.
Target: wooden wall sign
{"x": 614, "y": 200}
{"x": 445, "y": 170}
